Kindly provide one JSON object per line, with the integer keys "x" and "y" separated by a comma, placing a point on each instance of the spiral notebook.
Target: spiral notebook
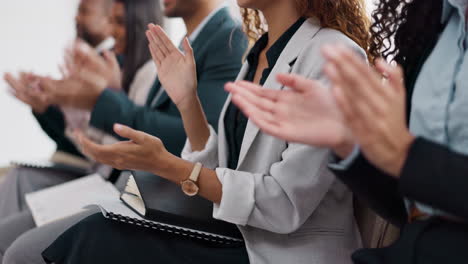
{"x": 54, "y": 166}
{"x": 151, "y": 202}
{"x": 118, "y": 211}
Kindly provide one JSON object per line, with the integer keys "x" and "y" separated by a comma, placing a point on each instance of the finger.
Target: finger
{"x": 188, "y": 50}
{"x": 362, "y": 79}
{"x": 263, "y": 119}
{"x": 296, "y": 82}
{"x": 394, "y": 75}
{"x": 126, "y": 132}
{"x": 349, "y": 114}
{"x": 359, "y": 105}
{"x": 155, "y": 56}
{"x": 96, "y": 151}
{"x": 262, "y": 102}
{"x": 14, "y": 83}
{"x": 158, "y": 41}
{"x": 156, "y": 48}
{"x": 161, "y": 35}
{"x": 258, "y": 90}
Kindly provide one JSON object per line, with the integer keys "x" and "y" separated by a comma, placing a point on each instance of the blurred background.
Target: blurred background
{"x": 34, "y": 35}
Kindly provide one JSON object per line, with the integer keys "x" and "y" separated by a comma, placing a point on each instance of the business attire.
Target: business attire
{"x": 53, "y": 121}
{"x": 159, "y": 116}
{"x": 432, "y": 189}
{"x": 15, "y": 217}
{"x": 282, "y": 197}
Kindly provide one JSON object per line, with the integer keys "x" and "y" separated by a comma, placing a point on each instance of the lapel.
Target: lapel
{"x": 154, "y": 90}
{"x": 206, "y": 33}
{"x": 285, "y": 64}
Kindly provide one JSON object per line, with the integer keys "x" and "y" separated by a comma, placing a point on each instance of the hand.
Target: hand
{"x": 27, "y": 89}
{"x": 306, "y": 114}
{"x": 176, "y": 71}
{"x": 82, "y": 61}
{"x": 375, "y": 111}
{"x": 73, "y": 93}
{"x": 142, "y": 152}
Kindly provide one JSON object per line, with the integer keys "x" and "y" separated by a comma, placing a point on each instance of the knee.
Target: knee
{"x": 21, "y": 252}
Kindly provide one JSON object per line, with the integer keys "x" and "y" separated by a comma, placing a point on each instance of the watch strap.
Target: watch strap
{"x": 196, "y": 172}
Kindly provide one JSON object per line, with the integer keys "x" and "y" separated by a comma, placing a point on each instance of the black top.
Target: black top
{"x": 235, "y": 122}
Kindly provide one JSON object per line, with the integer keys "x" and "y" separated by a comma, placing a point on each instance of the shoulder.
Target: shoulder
{"x": 147, "y": 70}
{"x": 228, "y": 31}
{"x": 310, "y": 60}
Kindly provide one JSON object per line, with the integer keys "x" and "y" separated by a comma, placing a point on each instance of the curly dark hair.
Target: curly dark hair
{"x": 347, "y": 16}
{"x": 403, "y": 30}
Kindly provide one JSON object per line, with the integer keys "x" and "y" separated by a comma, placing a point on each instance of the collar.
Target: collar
{"x": 277, "y": 48}
{"x": 449, "y": 5}
{"x": 106, "y": 44}
{"x": 205, "y": 21}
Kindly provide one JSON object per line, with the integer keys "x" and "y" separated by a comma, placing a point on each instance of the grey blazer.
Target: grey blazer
{"x": 287, "y": 204}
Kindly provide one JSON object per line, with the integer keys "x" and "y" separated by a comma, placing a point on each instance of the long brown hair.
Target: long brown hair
{"x": 347, "y": 16}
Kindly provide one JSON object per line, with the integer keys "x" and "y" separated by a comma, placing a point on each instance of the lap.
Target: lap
{"x": 99, "y": 240}
{"x": 20, "y": 181}
{"x": 12, "y": 227}
{"x": 28, "y": 247}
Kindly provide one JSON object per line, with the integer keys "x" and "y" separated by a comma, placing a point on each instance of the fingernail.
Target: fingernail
{"x": 118, "y": 127}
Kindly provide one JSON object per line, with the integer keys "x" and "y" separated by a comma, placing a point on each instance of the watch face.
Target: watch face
{"x": 190, "y": 188}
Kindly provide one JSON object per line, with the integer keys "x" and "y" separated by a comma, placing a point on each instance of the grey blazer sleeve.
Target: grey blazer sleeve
{"x": 283, "y": 200}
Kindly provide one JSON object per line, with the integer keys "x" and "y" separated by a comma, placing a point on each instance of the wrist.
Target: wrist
{"x": 189, "y": 103}
{"x": 401, "y": 155}
{"x": 344, "y": 147}
{"x": 173, "y": 168}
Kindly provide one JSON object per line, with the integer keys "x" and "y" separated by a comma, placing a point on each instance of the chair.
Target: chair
{"x": 375, "y": 231}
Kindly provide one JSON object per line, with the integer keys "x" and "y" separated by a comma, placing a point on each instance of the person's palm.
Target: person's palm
{"x": 88, "y": 63}
{"x": 311, "y": 117}
{"x": 305, "y": 114}
{"x": 177, "y": 75}
{"x": 176, "y": 70}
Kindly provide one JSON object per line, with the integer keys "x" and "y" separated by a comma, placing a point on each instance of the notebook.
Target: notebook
{"x": 76, "y": 169}
{"x": 58, "y": 202}
{"x": 150, "y": 205}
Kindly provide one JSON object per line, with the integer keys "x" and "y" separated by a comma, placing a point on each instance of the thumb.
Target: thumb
{"x": 127, "y": 132}
{"x": 188, "y": 49}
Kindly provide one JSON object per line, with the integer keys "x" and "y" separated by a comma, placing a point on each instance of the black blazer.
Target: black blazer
{"x": 433, "y": 175}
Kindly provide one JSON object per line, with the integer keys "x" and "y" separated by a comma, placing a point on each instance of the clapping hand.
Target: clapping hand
{"x": 305, "y": 114}
{"x": 82, "y": 61}
{"x": 141, "y": 152}
{"x": 26, "y": 88}
{"x": 176, "y": 70}
{"x": 374, "y": 110}
{"x": 359, "y": 108}
{"x": 86, "y": 75}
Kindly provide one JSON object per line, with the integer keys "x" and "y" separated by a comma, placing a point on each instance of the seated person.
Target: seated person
{"x": 286, "y": 203}
{"x": 209, "y": 27}
{"x": 136, "y": 79}
{"x": 414, "y": 174}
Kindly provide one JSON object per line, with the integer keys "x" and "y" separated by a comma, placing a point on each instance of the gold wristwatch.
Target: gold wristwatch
{"x": 190, "y": 186}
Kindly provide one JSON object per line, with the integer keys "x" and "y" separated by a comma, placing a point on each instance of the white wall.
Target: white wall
{"x": 33, "y": 36}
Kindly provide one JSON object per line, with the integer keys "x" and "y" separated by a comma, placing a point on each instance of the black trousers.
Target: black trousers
{"x": 422, "y": 242}
{"x": 99, "y": 240}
